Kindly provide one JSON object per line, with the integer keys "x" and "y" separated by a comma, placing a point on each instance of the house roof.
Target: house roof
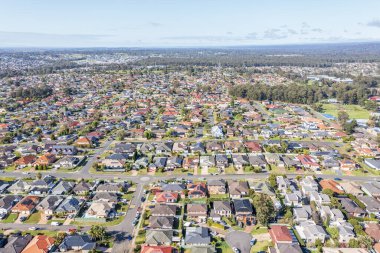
{"x": 16, "y": 244}
{"x": 27, "y": 203}
{"x": 197, "y": 235}
{"x": 156, "y": 249}
{"x": 242, "y": 205}
{"x": 373, "y": 230}
{"x": 161, "y": 221}
{"x": 280, "y": 234}
{"x": 39, "y": 244}
{"x": 196, "y": 208}
{"x": 331, "y": 185}
{"x": 222, "y": 206}
{"x": 77, "y": 241}
{"x": 288, "y": 248}
{"x": 156, "y": 237}
{"x": 162, "y": 209}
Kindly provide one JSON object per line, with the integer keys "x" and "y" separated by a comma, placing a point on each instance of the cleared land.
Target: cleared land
{"x": 354, "y": 111}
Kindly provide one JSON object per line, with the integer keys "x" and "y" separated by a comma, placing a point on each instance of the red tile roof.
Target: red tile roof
{"x": 280, "y": 234}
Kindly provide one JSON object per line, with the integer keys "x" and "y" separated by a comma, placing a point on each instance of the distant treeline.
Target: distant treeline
{"x": 323, "y": 55}
{"x": 302, "y": 94}
{"x": 41, "y": 91}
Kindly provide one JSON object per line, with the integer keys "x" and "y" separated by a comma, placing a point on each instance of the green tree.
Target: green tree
{"x": 264, "y": 208}
{"x": 273, "y": 181}
{"x": 97, "y": 232}
{"x": 343, "y": 117}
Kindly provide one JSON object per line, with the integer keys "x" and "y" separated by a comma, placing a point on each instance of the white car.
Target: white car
{"x": 55, "y": 223}
{"x": 33, "y": 228}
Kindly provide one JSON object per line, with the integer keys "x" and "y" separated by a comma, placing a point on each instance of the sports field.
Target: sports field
{"x": 354, "y": 111}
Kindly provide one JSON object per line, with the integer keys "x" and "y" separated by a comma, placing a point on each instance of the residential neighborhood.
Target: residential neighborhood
{"x": 190, "y": 150}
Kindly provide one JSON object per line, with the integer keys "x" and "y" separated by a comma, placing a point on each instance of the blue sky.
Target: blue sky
{"x": 165, "y": 23}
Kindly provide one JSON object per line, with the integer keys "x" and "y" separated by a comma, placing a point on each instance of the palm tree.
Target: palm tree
{"x": 97, "y": 232}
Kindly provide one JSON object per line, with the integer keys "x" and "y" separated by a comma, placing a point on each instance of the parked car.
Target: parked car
{"x": 55, "y": 223}
{"x": 33, "y": 228}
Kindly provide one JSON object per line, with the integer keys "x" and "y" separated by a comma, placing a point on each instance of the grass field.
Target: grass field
{"x": 354, "y": 111}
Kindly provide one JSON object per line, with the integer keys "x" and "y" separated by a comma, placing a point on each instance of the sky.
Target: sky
{"x": 186, "y": 23}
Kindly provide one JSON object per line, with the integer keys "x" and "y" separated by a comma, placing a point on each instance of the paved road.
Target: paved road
{"x": 239, "y": 240}
{"x": 126, "y": 228}
{"x": 147, "y": 178}
{"x": 85, "y": 171}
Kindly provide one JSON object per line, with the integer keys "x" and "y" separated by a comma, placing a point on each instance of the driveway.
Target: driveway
{"x": 239, "y": 240}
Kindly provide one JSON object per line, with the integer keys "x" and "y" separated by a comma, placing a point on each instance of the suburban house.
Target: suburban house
{"x": 159, "y": 237}
{"x": 81, "y": 243}
{"x": 67, "y": 162}
{"x": 64, "y": 150}
{"x": 70, "y": 205}
{"x": 82, "y": 188}
{"x": 331, "y": 185}
{"x": 25, "y": 161}
{"x": 26, "y": 206}
{"x": 221, "y": 209}
{"x": 371, "y": 189}
{"x": 49, "y": 204}
{"x": 352, "y": 208}
{"x": 197, "y": 190}
{"x": 99, "y": 210}
{"x": 46, "y": 159}
{"x": 109, "y": 197}
{"x": 351, "y": 188}
{"x": 372, "y": 205}
{"x": 197, "y": 236}
{"x": 373, "y": 230}
{"x": 302, "y": 213}
{"x": 16, "y": 243}
{"x": 63, "y": 187}
{"x": 20, "y": 186}
{"x": 164, "y": 210}
{"x": 207, "y": 161}
{"x": 309, "y": 232}
{"x": 161, "y": 222}
{"x": 238, "y": 189}
{"x": 308, "y": 162}
{"x": 197, "y": 212}
{"x": 217, "y": 186}
{"x": 293, "y": 199}
{"x": 243, "y": 211}
{"x": 308, "y": 185}
{"x": 166, "y": 197}
{"x": 280, "y": 234}
{"x": 157, "y": 249}
{"x": 7, "y": 202}
{"x": 40, "y": 243}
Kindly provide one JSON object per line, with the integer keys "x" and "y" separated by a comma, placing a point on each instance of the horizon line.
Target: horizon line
{"x": 190, "y": 47}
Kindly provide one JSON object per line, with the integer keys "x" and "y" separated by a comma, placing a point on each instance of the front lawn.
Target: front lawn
{"x": 223, "y": 247}
{"x": 259, "y": 230}
{"x": 34, "y": 218}
{"x": 260, "y": 246}
{"x": 230, "y": 170}
{"x": 10, "y": 219}
{"x": 213, "y": 170}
